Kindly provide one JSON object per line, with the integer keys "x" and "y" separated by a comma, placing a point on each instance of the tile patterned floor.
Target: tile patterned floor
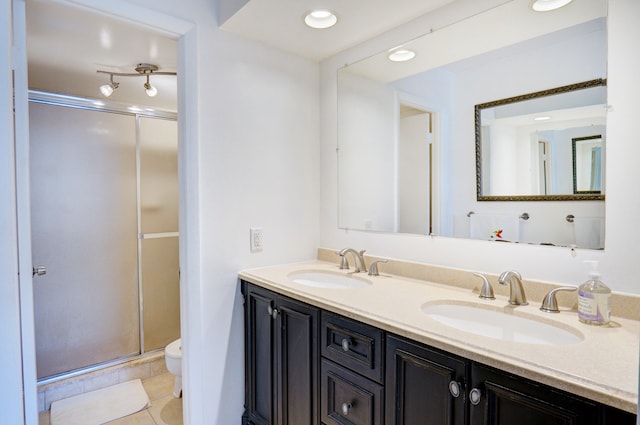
{"x": 165, "y": 409}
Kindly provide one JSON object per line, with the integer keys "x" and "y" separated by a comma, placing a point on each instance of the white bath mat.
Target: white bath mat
{"x": 100, "y": 406}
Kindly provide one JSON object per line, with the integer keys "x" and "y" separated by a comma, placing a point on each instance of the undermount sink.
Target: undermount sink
{"x": 498, "y": 324}
{"x": 326, "y": 279}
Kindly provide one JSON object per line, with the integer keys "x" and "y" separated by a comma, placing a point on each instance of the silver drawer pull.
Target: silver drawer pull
{"x": 345, "y": 408}
{"x": 454, "y": 389}
{"x": 346, "y": 344}
{"x": 475, "y": 395}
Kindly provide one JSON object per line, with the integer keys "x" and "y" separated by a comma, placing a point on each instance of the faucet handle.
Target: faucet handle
{"x": 344, "y": 264}
{"x": 550, "y": 303}
{"x": 486, "y": 291}
{"x": 373, "y": 268}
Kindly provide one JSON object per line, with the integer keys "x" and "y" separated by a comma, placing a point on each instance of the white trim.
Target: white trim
{"x": 137, "y": 15}
{"x": 194, "y": 399}
{"x": 11, "y": 391}
{"x": 104, "y": 105}
{"x": 23, "y": 209}
{"x": 142, "y": 236}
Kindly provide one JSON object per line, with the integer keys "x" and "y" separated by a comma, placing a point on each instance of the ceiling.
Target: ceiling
{"x": 514, "y": 27}
{"x": 66, "y": 46}
{"x": 280, "y": 23}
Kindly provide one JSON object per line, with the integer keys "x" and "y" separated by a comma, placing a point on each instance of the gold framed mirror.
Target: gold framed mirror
{"x": 526, "y": 144}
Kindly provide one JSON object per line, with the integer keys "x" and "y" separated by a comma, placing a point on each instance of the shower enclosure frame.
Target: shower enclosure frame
{"x": 138, "y": 113}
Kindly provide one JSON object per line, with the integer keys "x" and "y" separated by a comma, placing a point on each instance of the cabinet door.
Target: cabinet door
{"x": 298, "y": 363}
{"x": 260, "y": 371}
{"x": 348, "y": 398}
{"x": 418, "y": 382}
{"x": 506, "y": 399}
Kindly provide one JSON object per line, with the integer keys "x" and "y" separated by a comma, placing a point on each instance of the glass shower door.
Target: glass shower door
{"x": 159, "y": 266}
{"x": 84, "y": 227}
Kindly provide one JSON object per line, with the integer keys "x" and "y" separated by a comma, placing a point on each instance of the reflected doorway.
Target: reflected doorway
{"x": 415, "y": 179}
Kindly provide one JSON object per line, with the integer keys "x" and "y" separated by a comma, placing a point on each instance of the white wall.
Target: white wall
{"x": 258, "y": 147}
{"x": 258, "y": 162}
{"x": 367, "y": 158}
{"x": 619, "y": 268}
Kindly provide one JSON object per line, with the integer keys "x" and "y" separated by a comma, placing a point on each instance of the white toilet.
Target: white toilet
{"x": 173, "y": 359}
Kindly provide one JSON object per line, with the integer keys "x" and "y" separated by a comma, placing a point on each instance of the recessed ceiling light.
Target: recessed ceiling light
{"x": 320, "y": 19}
{"x": 544, "y": 118}
{"x": 401, "y": 55}
{"x": 548, "y": 5}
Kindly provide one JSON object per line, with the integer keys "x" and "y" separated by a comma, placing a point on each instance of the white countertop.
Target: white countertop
{"x": 603, "y": 367}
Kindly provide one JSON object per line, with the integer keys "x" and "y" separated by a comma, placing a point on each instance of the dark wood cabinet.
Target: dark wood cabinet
{"x": 423, "y": 385}
{"x": 281, "y": 359}
{"x": 428, "y": 386}
{"x": 500, "y": 398}
{"x": 305, "y": 366}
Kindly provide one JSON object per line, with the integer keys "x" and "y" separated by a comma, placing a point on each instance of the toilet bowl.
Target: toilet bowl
{"x": 173, "y": 359}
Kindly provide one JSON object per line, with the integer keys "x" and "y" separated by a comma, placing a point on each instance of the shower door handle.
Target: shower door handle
{"x": 39, "y": 271}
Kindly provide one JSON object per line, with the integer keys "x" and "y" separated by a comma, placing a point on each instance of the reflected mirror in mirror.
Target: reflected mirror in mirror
{"x": 540, "y": 146}
{"x": 587, "y": 164}
{"x": 459, "y": 65}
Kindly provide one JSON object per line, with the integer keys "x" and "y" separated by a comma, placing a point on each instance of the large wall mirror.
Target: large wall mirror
{"x": 406, "y": 130}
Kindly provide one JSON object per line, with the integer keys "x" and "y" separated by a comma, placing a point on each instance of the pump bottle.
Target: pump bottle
{"x": 594, "y": 299}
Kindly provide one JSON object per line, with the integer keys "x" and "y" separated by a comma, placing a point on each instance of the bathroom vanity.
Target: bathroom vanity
{"x": 323, "y": 349}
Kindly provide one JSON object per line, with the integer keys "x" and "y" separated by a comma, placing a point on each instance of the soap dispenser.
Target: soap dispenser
{"x": 594, "y": 299}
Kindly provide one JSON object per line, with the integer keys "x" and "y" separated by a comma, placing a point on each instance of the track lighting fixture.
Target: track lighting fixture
{"x": 142, "y": 70}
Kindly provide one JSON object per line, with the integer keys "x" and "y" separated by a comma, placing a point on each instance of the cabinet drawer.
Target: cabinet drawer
{"x": 354, "y": 345}
{"x": 349, "y": 399}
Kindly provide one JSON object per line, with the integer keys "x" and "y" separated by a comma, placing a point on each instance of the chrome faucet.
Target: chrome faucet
{"x": 358, "y": 258}
{"x": 516, "y": 296}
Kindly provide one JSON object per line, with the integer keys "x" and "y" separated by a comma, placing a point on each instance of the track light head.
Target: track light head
{"x": 151, "y": 90}
{"x": 107, "y": 89}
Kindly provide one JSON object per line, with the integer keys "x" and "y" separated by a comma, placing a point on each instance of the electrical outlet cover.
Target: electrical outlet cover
{"x": 256, "y": 240}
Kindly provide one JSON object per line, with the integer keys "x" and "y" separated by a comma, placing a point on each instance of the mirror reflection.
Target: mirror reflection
{"x": 406, "y": 130}
{"x": 532, "y": 147}
{"x": 588, "y": 161}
